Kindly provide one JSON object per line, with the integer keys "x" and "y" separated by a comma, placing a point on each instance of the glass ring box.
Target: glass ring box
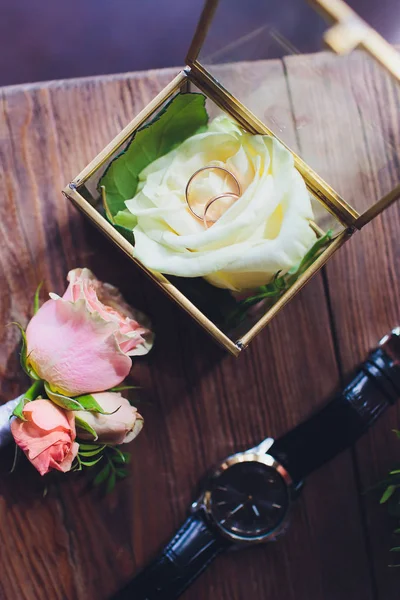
{"x": 256, "y": 163}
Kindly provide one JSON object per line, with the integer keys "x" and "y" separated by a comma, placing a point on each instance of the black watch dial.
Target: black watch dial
{"x": 249, "y": 499}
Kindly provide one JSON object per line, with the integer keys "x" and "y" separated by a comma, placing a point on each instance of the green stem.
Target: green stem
{"x": 34, "y": 391}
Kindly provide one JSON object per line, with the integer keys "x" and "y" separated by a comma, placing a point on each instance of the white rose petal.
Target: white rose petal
{"x": 266, "y": 230}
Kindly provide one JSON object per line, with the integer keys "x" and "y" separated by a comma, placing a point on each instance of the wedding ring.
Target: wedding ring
{"x": 205, "y": 220}
{"x": 239, "y": 189}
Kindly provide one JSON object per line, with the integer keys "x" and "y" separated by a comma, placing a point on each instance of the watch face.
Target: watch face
{"x": 249, "y": 499}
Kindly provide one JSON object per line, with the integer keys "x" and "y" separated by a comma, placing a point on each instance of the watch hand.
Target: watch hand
{"x": 232, "y": 512}
{"x": 267, "y": 503}
{"x": 232, "y": 491}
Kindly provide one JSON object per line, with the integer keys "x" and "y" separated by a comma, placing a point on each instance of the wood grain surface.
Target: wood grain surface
{"x": 199, "y": 403}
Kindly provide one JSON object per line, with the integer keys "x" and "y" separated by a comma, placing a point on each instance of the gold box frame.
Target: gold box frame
{"x": 201, "y": 78}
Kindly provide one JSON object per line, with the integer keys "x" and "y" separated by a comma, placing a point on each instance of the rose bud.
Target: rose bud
{"x": 82, "y": 343}
{"x": 47, "y": 436}
{"x": 120, "y": 427}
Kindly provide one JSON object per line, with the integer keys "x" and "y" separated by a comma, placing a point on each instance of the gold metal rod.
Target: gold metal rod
{"x": 352, "y": 32}
{"x": 379, "y": 207}
{"x": 302, "y": 280}
{"x": 201, "y": 32}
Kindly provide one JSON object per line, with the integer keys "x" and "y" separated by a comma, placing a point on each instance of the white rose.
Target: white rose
{"x": 266, "y": 230}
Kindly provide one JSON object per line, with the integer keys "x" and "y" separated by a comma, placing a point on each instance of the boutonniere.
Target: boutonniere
{"x": 77, "y": 349}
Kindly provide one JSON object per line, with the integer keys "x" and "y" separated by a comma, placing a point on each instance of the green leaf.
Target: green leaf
{"x": 387, "y": 493}
{"x": 181, "y": 118}
{"x": 62, "y": 401}
{"x": 76, "y": 465}
{"x": 125, "y": 219}
{"x": 17, "y": 412}
{"x": 397, "y": 432}
{"x": 396, "y": 472}
{"x": 102, "y": 475}
{"x": 395, "y": 549}
{"x": 122, "y": 459}
{"x": 88, "y": 447}
{"x": 121, "y": 388}
{"x": 91, "y": 463}
{"x": 82, "y": 424}
{"x": 111, "y": 483}
{"x": 278, "y": 285}
{"x": 122, "y": 473}
{"x": 36, "y": 300}
{"x": 105, "y": 204}
{"x": 88, "y": 402}
{"x": 23, "y": 355}
{"x": 31, "y": 394}
{"x": 88, "y": 453}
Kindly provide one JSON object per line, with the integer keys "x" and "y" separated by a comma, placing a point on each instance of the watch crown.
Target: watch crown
{"x": 390, "y": 344}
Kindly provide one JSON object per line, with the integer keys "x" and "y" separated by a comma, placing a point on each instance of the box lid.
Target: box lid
{"x": 320, "y": 79}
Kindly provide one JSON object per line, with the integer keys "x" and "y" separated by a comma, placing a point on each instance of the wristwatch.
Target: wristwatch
{"x": 247, "y": 497}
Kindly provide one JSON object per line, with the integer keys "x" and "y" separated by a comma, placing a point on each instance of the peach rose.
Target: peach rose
{"x": 47, "y": 437}
{"x": 120, "y": 427}
{"x": 82, "y": 343}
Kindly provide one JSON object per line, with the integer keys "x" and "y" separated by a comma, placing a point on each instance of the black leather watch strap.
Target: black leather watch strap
{"x": 187, "y": 555}
{"x": 339, "y": 425}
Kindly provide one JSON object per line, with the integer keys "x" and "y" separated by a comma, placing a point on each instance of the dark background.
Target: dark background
{"x": 53, "y": 39}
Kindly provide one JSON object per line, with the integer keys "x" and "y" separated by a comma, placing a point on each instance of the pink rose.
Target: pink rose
{"x": 47, "y": 436}
{"x": 81, "y": 343}
{"x": 120, "y": 427}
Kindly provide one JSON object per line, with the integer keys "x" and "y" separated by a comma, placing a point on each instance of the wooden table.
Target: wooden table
{"x": 200, "y": 404}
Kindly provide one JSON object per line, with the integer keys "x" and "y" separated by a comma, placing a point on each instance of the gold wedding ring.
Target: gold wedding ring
{"x": 212, "y": 200}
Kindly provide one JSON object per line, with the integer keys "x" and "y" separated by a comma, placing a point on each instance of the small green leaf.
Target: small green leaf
{"x": 82, "y": 424}
{"x": 105, "y": 204}
{"x": 91, "y": 463}
{"x": 23, "y": 355}
{"x": 279, "y": 284}
{"x": 396, "y": 472}
{"x": 396, "y": 531}
{"x": 88, "y": 453}
{"x": 111, "y": 483}
{"x": 88, "y": 447}
{"x": 18, "y": 410}
{"x": 123, "y": 459}
{"x": 181, "y": 118}
{"x": 37, "y": 299}
{"x": 88, "y": 402}
{"x": 102, "y": 475}
{"x": 76, "y": 465}
{"x": 31, "y": 394}
{"x": 397, "y": 432}
{"x": 62, "y": 401}
{"x": 125, "y": 219}
{"x": 122, "y": 473}
{"x": 387, "y": 493}
{"x": 121, "y": 388}
{"x": 395, "y": 549}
